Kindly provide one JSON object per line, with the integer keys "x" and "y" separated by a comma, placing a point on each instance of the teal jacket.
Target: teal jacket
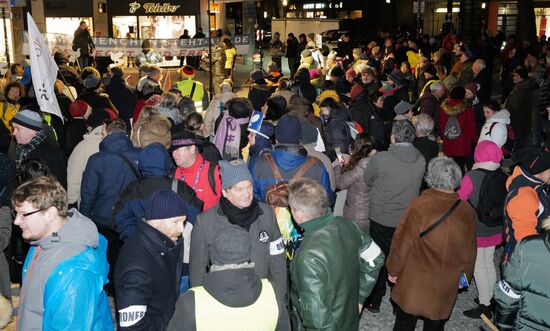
{"x": 334, "y": 270}
{"x": 523, "y": 296}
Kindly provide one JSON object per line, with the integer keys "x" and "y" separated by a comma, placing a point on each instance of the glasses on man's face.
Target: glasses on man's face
{"x": 14, "y": 213}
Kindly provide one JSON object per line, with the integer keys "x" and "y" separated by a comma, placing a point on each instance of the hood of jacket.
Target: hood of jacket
{"x": 522, "y": 178}
{"x": 78, "y": 230}
{"x": 261, "y": 87}
{"x": 116, "y": 142}
{"x": 453, "y": 110}
{"x": 502, "y": 116}
{"x": 329, "y": 94}
{"x": 302, "y": 77}
{"x": 288, "y": 158}
{"x": 94, "y": 134}
{"x": 405, "y": 152}
{"x": 171, "y": 113}
{"x": 154, "y": 161}
{"x": 527, "y": 84}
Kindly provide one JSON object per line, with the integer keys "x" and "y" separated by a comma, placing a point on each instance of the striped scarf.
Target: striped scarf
{"x": 23, "y": 151}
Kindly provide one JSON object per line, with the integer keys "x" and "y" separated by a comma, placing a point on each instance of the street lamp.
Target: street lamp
{"x": 210, "y": 82}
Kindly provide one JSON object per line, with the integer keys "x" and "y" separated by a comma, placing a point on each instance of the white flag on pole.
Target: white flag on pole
{"x": 43, "y": 71}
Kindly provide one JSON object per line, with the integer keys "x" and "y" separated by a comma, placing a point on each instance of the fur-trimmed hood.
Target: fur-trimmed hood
{"x": 453, "y": 110}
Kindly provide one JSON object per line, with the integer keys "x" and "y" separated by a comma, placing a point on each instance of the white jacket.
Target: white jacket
{"x": 213, "y": 111}
{"x": 78, "y": 160}
{"x": 495, "y": 128}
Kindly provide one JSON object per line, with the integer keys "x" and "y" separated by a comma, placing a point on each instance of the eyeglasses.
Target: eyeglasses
{"x": 14, "y": 213}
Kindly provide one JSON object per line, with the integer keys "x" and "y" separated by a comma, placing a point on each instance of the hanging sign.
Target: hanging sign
{"x": 132, "y": 47}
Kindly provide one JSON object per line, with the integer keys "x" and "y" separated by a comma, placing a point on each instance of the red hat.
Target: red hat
{"x": 187, "y": 71}
{"x": 78, "y": 108}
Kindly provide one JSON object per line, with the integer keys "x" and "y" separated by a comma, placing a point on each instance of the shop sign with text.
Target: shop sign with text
{"x": 132, "y": 47}
{"x": 153, "y": 7}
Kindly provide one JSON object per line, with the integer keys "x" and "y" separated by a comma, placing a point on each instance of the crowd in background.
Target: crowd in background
{"x": 368, "y": 167}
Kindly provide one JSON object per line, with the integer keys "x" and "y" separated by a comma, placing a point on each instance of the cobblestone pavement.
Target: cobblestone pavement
{"x": 384, "y": 320}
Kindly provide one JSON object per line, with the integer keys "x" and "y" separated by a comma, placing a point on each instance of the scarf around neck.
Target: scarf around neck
{"x": 228, "y": 136}
{"x": 241, "y": 217}
{"x": 23, "y": 151}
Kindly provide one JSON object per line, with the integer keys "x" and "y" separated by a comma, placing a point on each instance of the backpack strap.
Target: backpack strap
{"x": 271, "y": 162}
{"x": 491, "y": 129}
{"x": 175, "y": 185}
{"x": 440, "y": 220}
{"x": 5, "y": 107}
{"x": 131, "y": 165}
{"x": 193, "y": 90}
{"x": 211, "y": 179}
{"x": 305, "y": 168}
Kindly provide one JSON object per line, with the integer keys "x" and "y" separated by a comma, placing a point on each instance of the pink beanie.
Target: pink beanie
{"x": 487, "y": 151}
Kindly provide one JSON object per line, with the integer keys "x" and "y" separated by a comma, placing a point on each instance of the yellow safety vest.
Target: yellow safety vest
{"x": 48, "y": 118}
{"x": 211, "y": 315}
{"x": 186, "y": 86}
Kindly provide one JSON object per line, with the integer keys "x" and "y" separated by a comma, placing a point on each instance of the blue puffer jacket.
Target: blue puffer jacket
{"x": 68, "y": 287}
{"x": 154, "y": 164}
{"x": 105, "y": 176}
{"x": 289, "y": 160}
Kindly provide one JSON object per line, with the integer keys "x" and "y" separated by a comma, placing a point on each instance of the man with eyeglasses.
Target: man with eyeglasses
{"x": 66, "y": 267}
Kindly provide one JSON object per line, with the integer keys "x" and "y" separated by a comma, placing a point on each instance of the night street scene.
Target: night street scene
{"x": 260, "y": 165}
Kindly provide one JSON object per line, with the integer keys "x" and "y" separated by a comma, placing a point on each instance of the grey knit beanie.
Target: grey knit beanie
{"x": 233, "y": 172}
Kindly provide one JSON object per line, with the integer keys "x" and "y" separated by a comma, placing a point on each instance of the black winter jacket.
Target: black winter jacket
{"x": 146, "y": 279}
{"x": 123, "y": 97}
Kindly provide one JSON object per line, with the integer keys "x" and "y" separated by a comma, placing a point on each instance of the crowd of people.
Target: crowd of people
{"x": 292, "y": 209}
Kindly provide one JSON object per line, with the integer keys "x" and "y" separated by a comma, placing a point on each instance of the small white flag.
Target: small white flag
{"x": 43, "y": 71}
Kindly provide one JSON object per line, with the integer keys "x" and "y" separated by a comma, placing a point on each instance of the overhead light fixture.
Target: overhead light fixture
{"x": 444, "y": 10}
{"x": 483, "y": 5}
{"x": 388, "y": 1}
{"x": 265, "y": 14}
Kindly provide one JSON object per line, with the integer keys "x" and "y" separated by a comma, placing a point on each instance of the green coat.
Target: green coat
{"x": 334, "y": 270}
{"x": 523, "y": 297}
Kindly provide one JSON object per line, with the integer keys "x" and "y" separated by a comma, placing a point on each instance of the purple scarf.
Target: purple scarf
{"x": 228, "y": 136}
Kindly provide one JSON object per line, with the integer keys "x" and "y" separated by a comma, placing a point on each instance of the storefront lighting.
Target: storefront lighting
{"x": 444, "y": 10}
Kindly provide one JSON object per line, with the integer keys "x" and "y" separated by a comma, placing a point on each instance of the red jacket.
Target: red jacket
{"x": 464, "y": 144}
{"x": 200, "y": 176}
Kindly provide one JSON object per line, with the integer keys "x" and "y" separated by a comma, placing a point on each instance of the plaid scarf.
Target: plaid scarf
{"x": 23, "y": 151}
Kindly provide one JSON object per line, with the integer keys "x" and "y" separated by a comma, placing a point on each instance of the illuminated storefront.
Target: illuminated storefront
{"x": 64, "y": 17}
{"x": 156, "y": 20}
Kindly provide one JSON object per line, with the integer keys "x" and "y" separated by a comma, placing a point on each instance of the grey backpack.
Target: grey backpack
{"x": 452, "y": 128}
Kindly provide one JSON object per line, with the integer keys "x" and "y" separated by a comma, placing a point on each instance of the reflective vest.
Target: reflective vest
{"x": 196, "y": 94}
{"x": 262, "y": 315}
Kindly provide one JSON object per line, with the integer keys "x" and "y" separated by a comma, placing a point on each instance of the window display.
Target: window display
{"x": 125, "y": 27}
{"x": 152, "y": 27}
{"x": 67, "y": 25}
{"x": 3, "y": 42}
{"x": 165, "y": 27}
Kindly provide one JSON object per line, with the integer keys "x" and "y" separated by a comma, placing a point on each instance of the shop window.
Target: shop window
{"x": 125, "y": 27}
{"x": 310, "y": 14}
{"x": 3, "y": 42}
{"x": 67, "y": 25}
{"x": 165, "y": 27}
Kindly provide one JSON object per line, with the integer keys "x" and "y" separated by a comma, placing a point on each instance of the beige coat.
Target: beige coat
{"x": 78, "y": 160}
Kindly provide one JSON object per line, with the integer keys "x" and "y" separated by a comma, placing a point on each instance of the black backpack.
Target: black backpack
{"x": 492, "y": 195}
